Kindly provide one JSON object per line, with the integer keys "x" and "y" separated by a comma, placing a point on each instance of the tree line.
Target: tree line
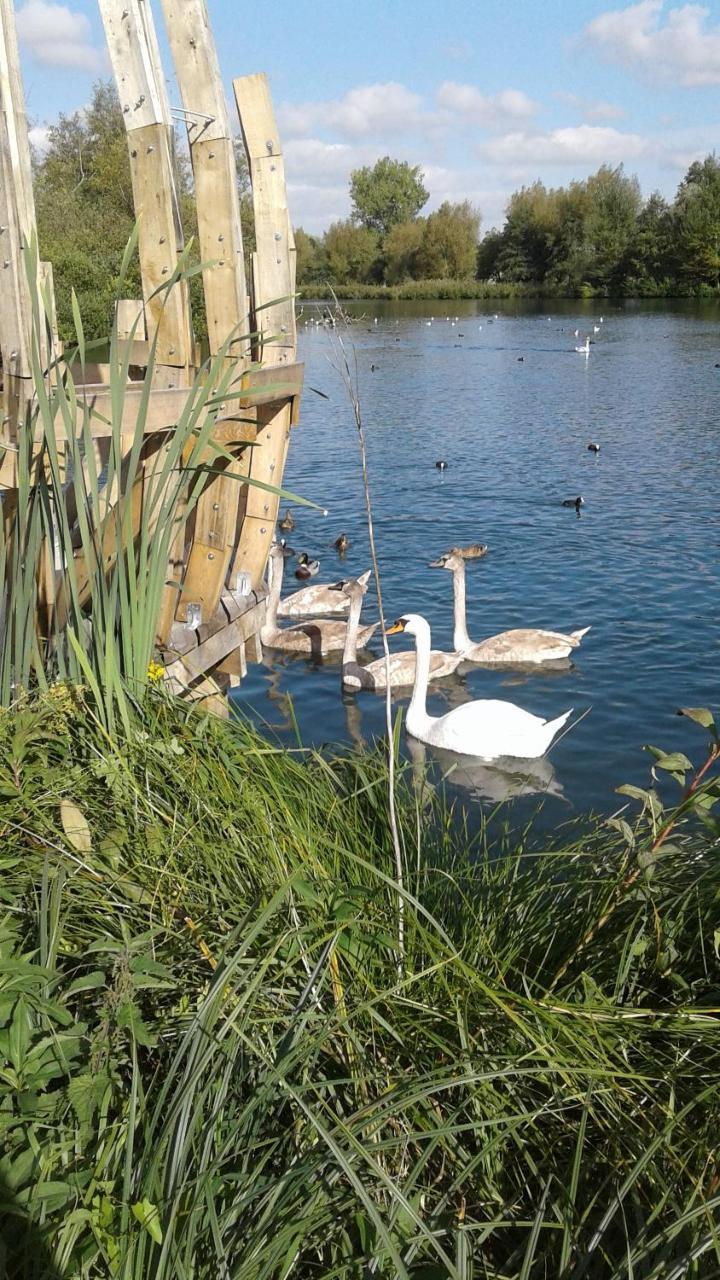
{"x": 593, "y": 236}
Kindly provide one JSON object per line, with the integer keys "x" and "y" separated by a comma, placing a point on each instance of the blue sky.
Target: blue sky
{"x": 485, "y": 97}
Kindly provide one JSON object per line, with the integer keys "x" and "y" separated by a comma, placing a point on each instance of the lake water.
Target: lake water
{"x": 640, "y": 565}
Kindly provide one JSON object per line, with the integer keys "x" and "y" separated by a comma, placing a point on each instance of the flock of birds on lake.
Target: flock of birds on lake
{"x": 489, "y": 729}
{"x": 485, "y": 728}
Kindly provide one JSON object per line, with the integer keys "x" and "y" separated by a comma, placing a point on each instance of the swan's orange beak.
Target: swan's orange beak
{"x": 395, "y": 628}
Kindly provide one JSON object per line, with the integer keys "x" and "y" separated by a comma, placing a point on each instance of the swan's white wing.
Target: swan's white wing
{"x": 488, "y": 728}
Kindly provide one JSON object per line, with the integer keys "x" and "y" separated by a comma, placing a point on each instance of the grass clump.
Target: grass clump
{"x": 213, "y": 1065}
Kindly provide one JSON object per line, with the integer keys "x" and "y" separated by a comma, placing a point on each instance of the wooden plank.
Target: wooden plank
{"x": 212, "y": 650}
{"x": 221, "y": 249}
{"x": 273, "y": 279}
{"x": 138, "y": 73}
{"x": 17, "y": 208}
{"x": 130, "y": 319}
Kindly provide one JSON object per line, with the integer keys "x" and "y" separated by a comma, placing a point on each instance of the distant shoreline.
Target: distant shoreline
{"x": 431, "y": 290}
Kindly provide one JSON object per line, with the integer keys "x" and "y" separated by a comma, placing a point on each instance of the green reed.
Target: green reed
{"x": 212, "y": 1067}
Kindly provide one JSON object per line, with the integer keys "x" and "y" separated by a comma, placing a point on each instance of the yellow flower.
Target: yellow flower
{"x": 155, "y": 672}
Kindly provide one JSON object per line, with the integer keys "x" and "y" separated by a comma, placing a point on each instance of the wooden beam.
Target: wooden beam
{"x": 136, "y": 65}
{"x": 211, "y": 650}
{"x": 274, "y": 283}
{"x": 17, "y": 206}
{"x": 212, "y": 154}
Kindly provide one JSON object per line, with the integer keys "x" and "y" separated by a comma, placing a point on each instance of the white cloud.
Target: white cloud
{"x": 310, "y": 160}
{"x": 681, "y": 48}
{"x": 363, "y": 112}
{"x": 590, "y": 109}
{"x": 585, "y": 144}
{"x": 39, "y": 137}
{"x": 58, "y": 37}
{"x": 487, "y": 111}
{"x": 459, "y": 50}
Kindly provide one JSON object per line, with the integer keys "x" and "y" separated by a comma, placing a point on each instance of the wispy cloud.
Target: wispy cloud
{"x": 585, "y": 144}
{"x": 679, "y": 46}
{"x": 486, "y": 110}
{"x": 58, "y": 37}
{"x": 591, "y": 110}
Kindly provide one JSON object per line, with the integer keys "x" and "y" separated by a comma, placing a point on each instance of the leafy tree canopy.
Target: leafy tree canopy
{"x": 390, "y": 192}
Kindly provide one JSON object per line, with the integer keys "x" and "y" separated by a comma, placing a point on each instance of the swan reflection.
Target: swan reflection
{"x": 502, "y": 780}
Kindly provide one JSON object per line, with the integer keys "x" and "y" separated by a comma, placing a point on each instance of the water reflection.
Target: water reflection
{"x": 502, "y": 780}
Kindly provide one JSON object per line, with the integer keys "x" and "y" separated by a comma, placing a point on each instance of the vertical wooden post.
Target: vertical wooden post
{"x": 17, "y": 224}
{"x": 133, "y": 52}
{"x": 221, "y": 249}
{"x": 273, "y": 282}
{"x": 138, "y": 73}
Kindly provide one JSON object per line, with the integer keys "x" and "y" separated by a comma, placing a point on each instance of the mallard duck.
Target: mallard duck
{"x": 322, "y": 636}
{"x": 402, "y": 665}
{"x": 522, "y": 645}
{"x": 577, "y": 503}
{"x": 287, "y": 524}
{"x": 342, "y": 543}
{"x": 307, "y": 568}
{"x": 485, "y": 728}
{"x": 323, "y": 597}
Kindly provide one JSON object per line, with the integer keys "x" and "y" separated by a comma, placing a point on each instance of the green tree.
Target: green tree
{"x": 696, "y": 218}
{"x": 85, "y": 213}
{"x": 400, "y": 250}
{"x": 390, "y": 192}
{"x": 311, "y": 263}
{"x": 488, "y": 254}
{"x": 613, "y": 202}
{"x": 352, "y": 253}
{"x": 448, "y": 248}
{"x": 647, "y": 262}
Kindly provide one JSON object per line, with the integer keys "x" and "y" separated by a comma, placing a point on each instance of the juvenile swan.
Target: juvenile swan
{"x": 323, "y": 597}
{"x": 525, "y": 644}
{"x": 402, "y": 665}
{"x": 323, "y": 636}
{"x": 484, "y": 728}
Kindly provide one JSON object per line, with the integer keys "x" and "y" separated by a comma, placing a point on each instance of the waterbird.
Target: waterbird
{"x": 321, "y": 597}
{"x": 307, "y": 568}
{"x": 521, "y": 645}
{"x": 577, "y": 503}
{"x": 287, "y": 524}
{"x": 373, "y": 368}
{"x": 441, "y": 465}
{"x": 596, "y": 328}
{"x": 521, "y": 359}
{"x": 402, "y": 665}
{"x": 319, "y": 637}
{"x": 487, "y": 728}
{"x": 584, "y": 350}
{"x": 593, "y": 447}
{"x": 342, "y": 543}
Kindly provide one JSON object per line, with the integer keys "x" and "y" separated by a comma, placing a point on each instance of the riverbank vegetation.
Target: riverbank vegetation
{"x": 217, "y": 1063}
{"x": 596, "y": 237}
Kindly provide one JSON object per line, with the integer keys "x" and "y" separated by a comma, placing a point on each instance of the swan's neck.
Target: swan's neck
{"x": 275, "y": 574}
{"x": 461, "y": 639}
{"x": 351, "y": 635}
{"x": 417, "y": 716}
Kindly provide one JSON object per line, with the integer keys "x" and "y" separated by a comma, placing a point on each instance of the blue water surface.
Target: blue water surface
{"x": 640, "y": 565}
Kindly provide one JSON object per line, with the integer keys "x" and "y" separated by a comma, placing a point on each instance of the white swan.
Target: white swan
{"x": 485, "y": 728}
{"x": 322, "y": 636}
{"x": 522, "y": 645}
{"x": 402, "y": 665}
{"x": 584, "y": 350}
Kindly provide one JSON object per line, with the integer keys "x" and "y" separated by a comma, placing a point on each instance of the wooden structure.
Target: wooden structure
{"x": 214, "y": 597}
